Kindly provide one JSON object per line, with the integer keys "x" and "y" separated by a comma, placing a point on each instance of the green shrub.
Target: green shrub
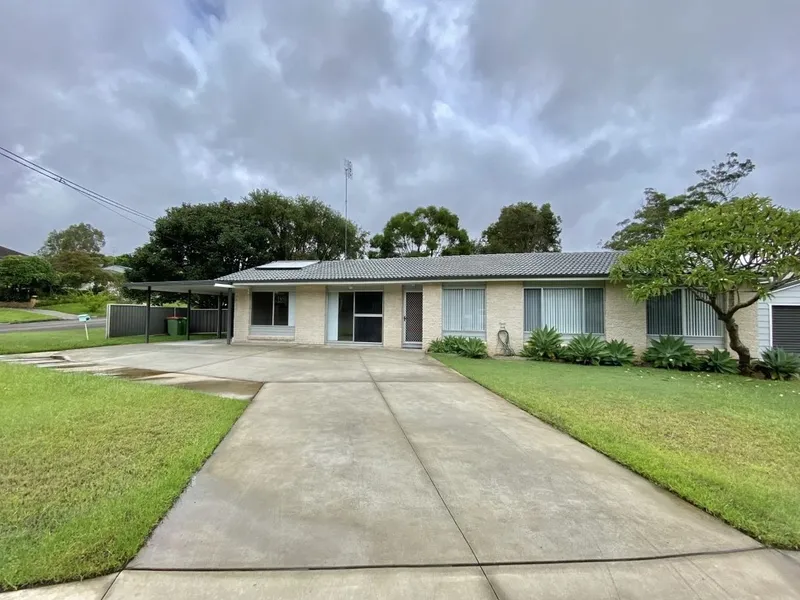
{"x": 437, "y": 346}
{"x": 619, "y": 353}
{"x": 776, "y": 363}
{"x": 718, "y": 361}
{"x": 669, "y": 352}
{"x": 451, "y": 344}
{"x": 472, "y": 348}
{"x": 586, "y": 349}
{"x": 545, "y": 343}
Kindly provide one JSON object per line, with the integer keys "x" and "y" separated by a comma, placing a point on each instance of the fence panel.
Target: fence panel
{"x": 129, "y": 319}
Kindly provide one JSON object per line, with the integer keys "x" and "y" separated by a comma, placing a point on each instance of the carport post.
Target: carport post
{"x": 147, "y": 317}
{"x": 219, "y": 316}
{"x": 188, "y": 313}
{"x": 229, "y": 333}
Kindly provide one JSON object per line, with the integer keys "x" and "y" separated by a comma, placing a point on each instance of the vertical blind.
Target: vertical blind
{"x": 463, "y": 310}
{"x": 681, "y": 313}
{"x": 569, "y": 310}
{"x": 533, "y": 310}
{"x": 562, "y": 308}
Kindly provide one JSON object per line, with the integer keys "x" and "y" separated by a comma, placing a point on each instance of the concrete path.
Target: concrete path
{"x": 56, "y": 314}
{"x": 382, "y": 474}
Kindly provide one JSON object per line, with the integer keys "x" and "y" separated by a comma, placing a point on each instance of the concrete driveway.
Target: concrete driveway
{"x": 382, "y": 474}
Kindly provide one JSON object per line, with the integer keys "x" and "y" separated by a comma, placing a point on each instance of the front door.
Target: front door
{"x": 412, "y": 319}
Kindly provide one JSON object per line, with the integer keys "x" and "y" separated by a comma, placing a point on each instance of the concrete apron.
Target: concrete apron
{"x": 385, "y": 475}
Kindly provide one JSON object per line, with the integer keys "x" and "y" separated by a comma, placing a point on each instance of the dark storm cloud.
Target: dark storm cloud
{"x": 472, "y": 105}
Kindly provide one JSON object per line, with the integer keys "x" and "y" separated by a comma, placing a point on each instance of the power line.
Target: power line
{"x": 95, "y": 197}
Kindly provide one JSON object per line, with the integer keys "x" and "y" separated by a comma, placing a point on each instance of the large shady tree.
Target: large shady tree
{"x": 730, "y": 255}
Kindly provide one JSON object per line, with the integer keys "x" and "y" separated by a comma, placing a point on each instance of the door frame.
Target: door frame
{"x": 406, "y": 343}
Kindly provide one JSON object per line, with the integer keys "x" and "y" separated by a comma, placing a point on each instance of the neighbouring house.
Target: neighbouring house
{"x": 9, "y": 252}
{"x": 779, "y": 320}
{"x": 408, "y": 302}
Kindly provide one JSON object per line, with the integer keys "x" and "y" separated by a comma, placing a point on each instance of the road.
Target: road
{"x": 51, "y": 325}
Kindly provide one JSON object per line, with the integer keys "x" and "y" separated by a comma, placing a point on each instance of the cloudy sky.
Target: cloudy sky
{"x": 471, "y": 104}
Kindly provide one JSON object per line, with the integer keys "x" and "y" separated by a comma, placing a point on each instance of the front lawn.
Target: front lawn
{"x": 13, "y": 315}
{"x": 69, "y": 339}
{"x": 728, "y": 444}
{"x": 89, "y": 465}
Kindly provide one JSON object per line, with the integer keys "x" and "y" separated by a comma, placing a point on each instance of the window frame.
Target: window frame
{"x": 461, "y": 331}
{"x": 584, "y": 320}
{"x": 686, "y": 296}
{"x": 274, "y": 294}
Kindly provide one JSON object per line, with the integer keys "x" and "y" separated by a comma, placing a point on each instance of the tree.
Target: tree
{"x": 428, "y": 231}
{"x": 206, "y": 241}
{"x": 524, "y": 227}
{"x": 75, "y": 268}
{"x": 24, "y": 276}
{"x": 730, "y": 255}
{"x": 80, "y": 237}
{"x": 716, "y": 185}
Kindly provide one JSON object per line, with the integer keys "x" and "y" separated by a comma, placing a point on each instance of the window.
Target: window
{"x": 355, "y": 317}
{"x": 463, "y": 311}
{"x": 269, "y": 308}
{"x": 570, "y": 310}
{"x": 681, "y": 313}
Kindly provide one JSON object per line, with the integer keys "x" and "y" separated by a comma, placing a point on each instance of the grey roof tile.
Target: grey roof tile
{"x": 480, "y": 266}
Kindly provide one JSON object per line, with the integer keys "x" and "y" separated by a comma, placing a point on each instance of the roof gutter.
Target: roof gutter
{"x": 239, "y": 284}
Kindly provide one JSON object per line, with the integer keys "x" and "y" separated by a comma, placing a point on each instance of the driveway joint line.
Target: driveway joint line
{"x": 491, "y": 564}
{"x": 113, "y": 581}
{"x": 427, "y": 473}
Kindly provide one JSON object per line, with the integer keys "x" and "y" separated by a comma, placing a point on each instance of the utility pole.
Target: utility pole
{"x": 348, "y": 174}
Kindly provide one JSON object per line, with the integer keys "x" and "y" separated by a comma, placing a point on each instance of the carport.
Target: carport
{"x": 207, "y": 287}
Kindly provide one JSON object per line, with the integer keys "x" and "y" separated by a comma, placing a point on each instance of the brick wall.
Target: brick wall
{"x": 393, "y": 315}
{"x": 504, "y": 309}
{"x": 625, "y": 319}
{"x": 747, "y": 320}
{"x": 431, "y": 313}
{"x": 309, "y": 315}
{"x": 241, "y": 314}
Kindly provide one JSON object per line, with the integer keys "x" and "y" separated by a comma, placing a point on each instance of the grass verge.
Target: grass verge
{"x": 89, "y": 470}
{"x": 18, "y": 342}
{"x": 14, "y": 315}
{"x": 728, "y": 444}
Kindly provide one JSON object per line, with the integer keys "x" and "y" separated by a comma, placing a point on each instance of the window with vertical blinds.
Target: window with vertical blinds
{"x": 681, "y": 313}
{"x": 570, "y": 310}
{"x": 464, "y": 311}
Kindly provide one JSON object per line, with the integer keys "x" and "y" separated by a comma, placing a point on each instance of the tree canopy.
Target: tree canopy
{"x": 730, "y": 255}
{"x": 428, "y": 231}
{"x": 80, "y": 237}
{"x": 523, "y": 227}
{"x": 24, "y": 276}
{"x": 205, "y": 241}
{"x": 716, "y": 185}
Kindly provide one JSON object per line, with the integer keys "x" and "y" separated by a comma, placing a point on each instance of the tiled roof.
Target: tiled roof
{"x": 479, "y": 266}
{"x": 8, "y": 252}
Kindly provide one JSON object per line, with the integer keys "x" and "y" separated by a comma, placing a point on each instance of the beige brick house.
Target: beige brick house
{"x": 408, "y": 302}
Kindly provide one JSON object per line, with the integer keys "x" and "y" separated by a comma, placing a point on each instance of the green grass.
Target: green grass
{"x": 89, "y": 465}
{"x": 13, "y": 315}
{"x": 729, "y": 444}
{"x": 18, "y": 342}
{"x": 74, "y": 308}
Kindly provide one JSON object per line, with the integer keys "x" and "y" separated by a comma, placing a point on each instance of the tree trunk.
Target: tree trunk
{"x": 737, "y": 346}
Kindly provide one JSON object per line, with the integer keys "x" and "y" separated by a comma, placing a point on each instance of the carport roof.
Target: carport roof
{"x": 478, "y": 267}
{"x": 197, "y": 286}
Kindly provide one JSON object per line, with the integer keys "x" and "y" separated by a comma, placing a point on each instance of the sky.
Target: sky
{"x": 469, "y": 104}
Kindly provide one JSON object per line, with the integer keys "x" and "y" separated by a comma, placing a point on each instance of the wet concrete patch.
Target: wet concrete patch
{"x": 217, "y": 386}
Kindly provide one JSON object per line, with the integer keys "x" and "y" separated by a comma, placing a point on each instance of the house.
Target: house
{"x": 408, "y": 302}
{"x": 779, "y": 320}
{"x": 9, "y": 252}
